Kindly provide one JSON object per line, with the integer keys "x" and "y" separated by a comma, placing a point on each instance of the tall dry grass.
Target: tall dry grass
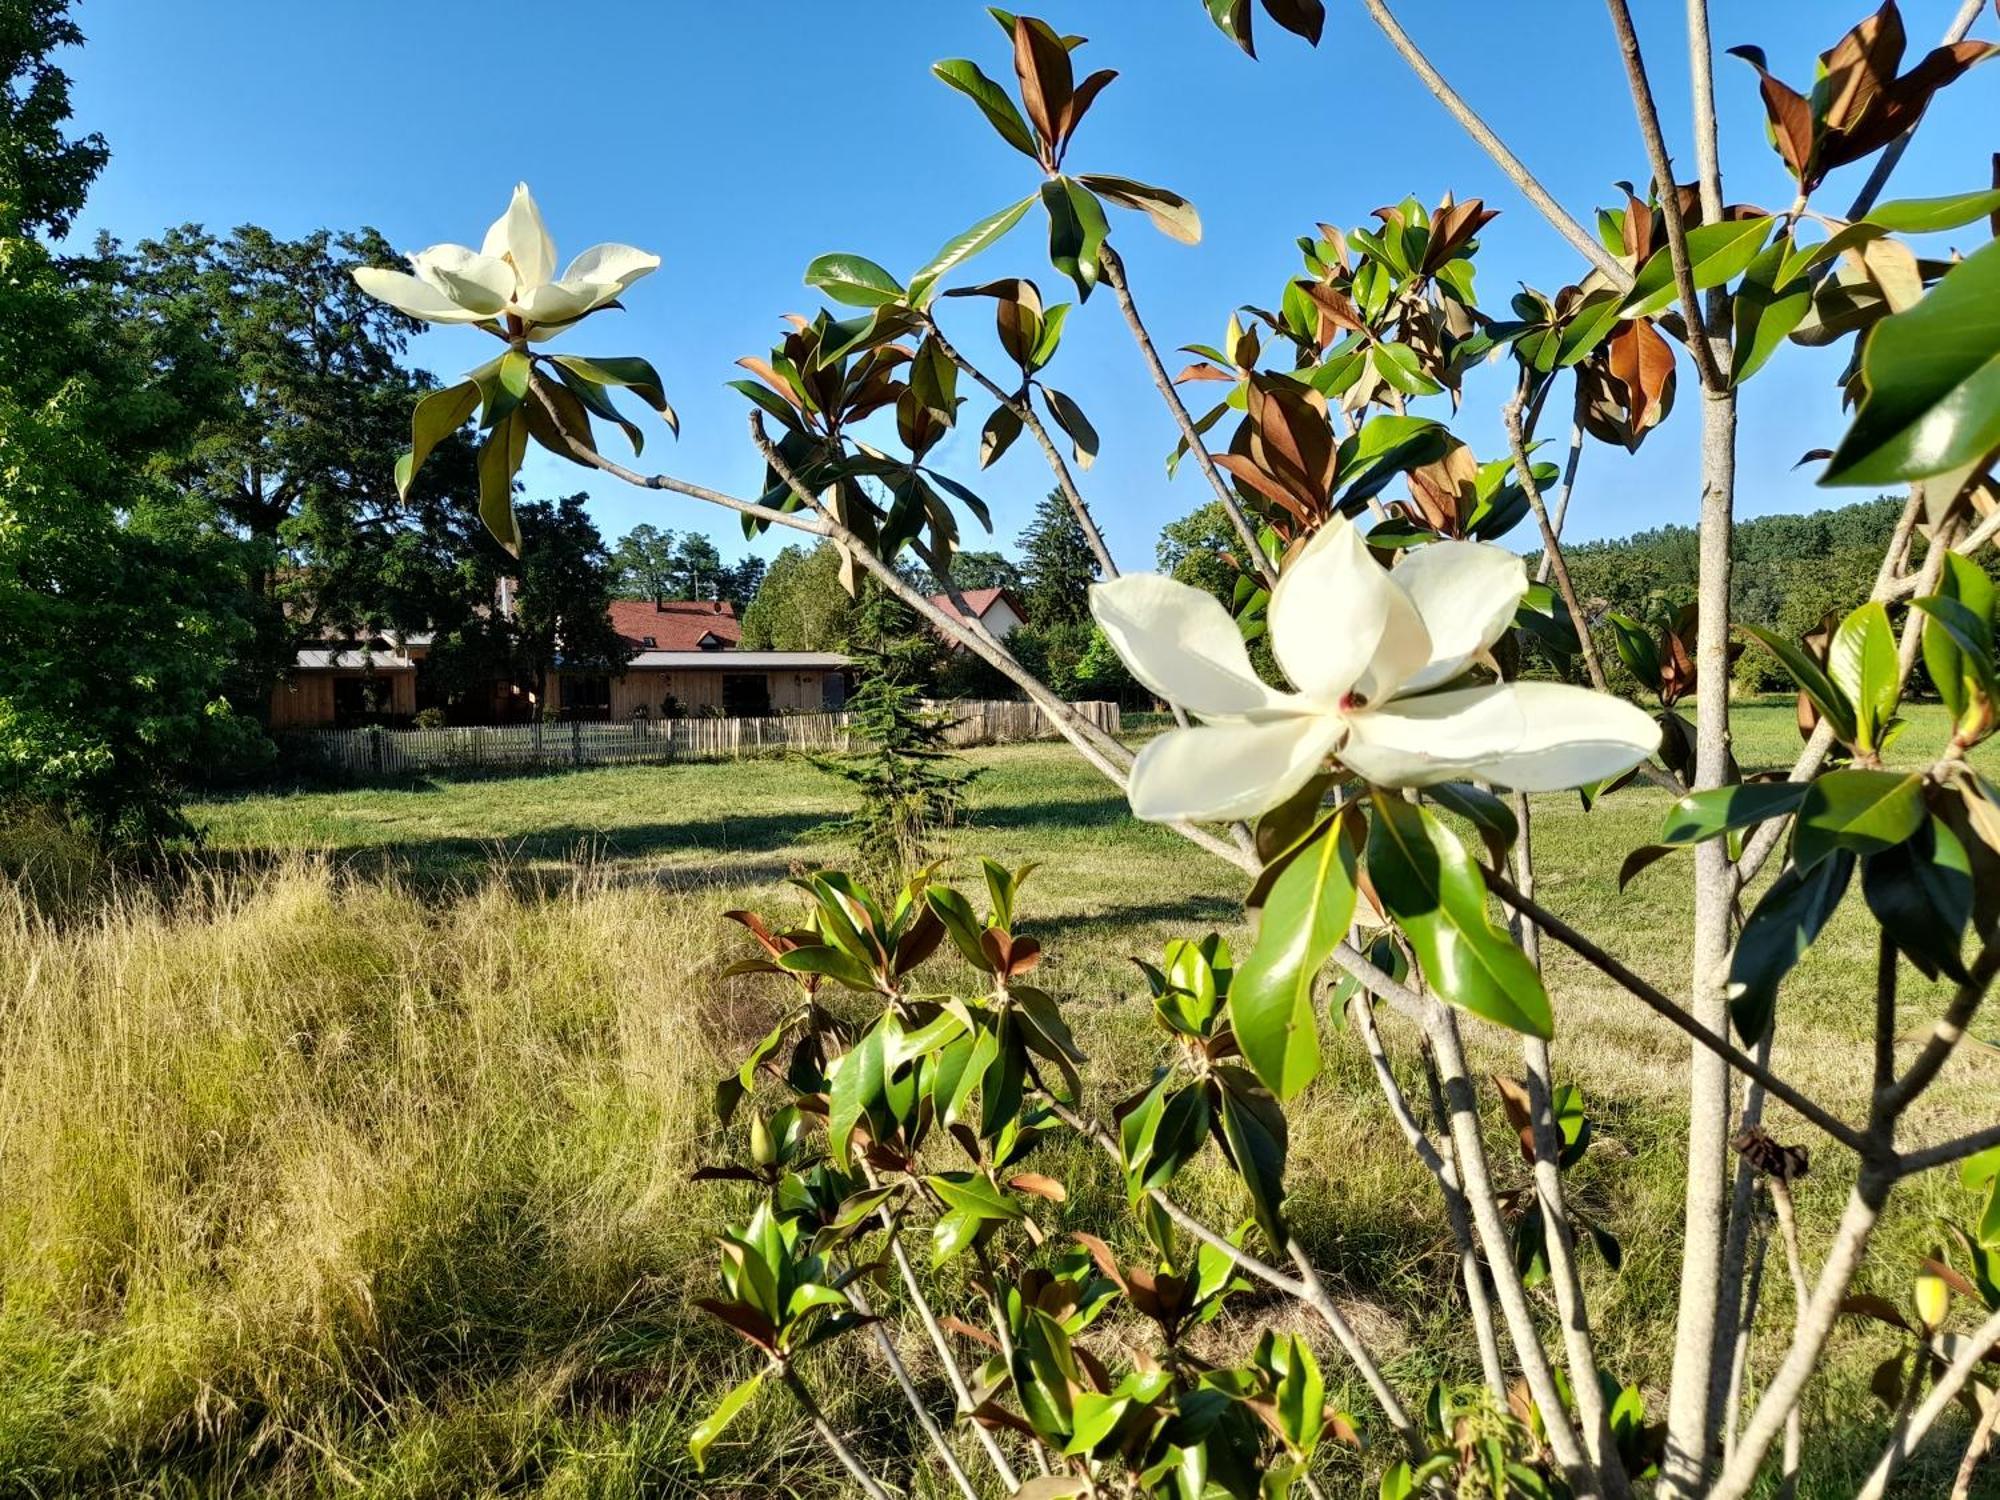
{"x": 309, "y": 1185}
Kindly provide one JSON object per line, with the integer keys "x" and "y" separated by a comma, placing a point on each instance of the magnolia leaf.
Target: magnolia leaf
{"x": 1862, "y": 811}
{"x": 854, "y": 280}
{"x": 1717, "y": 253}
{"x": 631, "y": 372}
{"x": 726, "y": 1411}
{"x": 1931, "y": 380}
{"x": 499, "y": 460}
{"x": 1171, "y": 214}
{"x": 963, "y": 246}
{"x": 1431, "y": 886}
{"x": 1077, "y": 229}
{"x": 1783, "y": 925}
{"x": 965, "y": 76}
{"x": 1069, "y": 416}
{"x": 1862, "y": 662}
{"x": 1306, "y": 915}
{"x": 436, "y": 417}
{"x": 1921, "y": 893}
{"x": 1703, "y": 815}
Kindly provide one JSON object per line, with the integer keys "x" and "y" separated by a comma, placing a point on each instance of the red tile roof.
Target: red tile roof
{"x": 981, "y": 601}
{"x": 677, "y": 624}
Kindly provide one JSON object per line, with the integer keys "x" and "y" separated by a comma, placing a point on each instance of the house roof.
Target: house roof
{"x": 980, "y": 601}
{"x": 673, "y": 625}
{"x": 740, "y": 661}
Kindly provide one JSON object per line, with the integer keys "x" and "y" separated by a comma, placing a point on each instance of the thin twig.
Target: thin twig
{"x": 832, "y": 1439}
{"x": 1493, "y": 1237}
{"x": 1911, "y": 1431}
{"x": 1662, "y": 1005}
{"x": 1570, "y": 466}
{"x": 1517, "y": 172}
{"x": 1662, "y": 165}
{"x": 1445, "y": 1174}
{"x": 1114, "y": 273}
{"x": 1982, "y": 1439}
{"x": 1022, "y": 407}
{"x": 1946, "y": 1152}
{"x": 913, "y": 1396}
{"x": 1552, "y": 553}
{"x": 1788, "y": 1232}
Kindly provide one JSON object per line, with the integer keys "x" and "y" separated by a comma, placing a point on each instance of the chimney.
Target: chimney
{"x": 718, "y": 606}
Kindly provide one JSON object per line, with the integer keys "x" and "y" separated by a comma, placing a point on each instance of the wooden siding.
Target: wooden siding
{"x": 304, "y": 699}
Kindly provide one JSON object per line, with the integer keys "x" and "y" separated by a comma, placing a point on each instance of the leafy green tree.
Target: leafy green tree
{"x": 297, "y": 406}
{"x": 800, "y": 605}
{"x": 119, "y": 600}
{"x": 982, "y": 570}
{"x": 45, "y": 173}
{"x": 644, "y": 562}
{"x": 1057, "y": 564}
{"x": 1199, "y": 549}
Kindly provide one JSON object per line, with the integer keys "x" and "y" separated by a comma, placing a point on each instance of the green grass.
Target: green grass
{"x": 357, "y": 1164}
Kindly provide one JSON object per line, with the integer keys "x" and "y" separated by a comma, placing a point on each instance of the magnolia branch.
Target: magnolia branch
{"x": 1114, "y": 273}
{"x": 1663, "y": 1006}
{"x": 1517, "y": 172}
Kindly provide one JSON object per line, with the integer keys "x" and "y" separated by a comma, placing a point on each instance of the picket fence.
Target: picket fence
{"x": 395, "y": 752}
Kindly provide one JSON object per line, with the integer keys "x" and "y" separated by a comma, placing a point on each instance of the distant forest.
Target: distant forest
{"x": 1790, "y": 571}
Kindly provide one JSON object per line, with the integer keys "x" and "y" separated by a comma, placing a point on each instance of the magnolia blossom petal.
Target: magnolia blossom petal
{"x": 1181, "y": 644}
{"x": 620, "y": 265}
{"x": 1467, "y": 593}
{"x": 407, "y": 294}
{"x": 1441, "y": 737}
{"x": 1339, "y": 622}
{"x": 478, "y": 283}
{"x": 520, "y": 235}
{"x": 1228, "y": 770}
{"x": 1574, "y": 736}
{"x": 562, "y": 301}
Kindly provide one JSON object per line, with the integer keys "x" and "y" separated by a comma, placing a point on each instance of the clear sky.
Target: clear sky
{"x": 738, "y": 140}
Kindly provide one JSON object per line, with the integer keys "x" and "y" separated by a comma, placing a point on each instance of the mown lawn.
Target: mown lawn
{"x": 358, "y": 1166}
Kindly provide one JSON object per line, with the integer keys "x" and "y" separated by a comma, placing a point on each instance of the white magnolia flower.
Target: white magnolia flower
{"x": 511, "y": 275}
{"x": 1367, "y": 650}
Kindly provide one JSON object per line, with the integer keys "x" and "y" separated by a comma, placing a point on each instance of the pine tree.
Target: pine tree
{"x": 912, "y": 786}
{"x": 1059, "y": 565}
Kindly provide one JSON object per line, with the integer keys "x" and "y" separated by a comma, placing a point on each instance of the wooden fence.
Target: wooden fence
{"x": 396, "y": 752}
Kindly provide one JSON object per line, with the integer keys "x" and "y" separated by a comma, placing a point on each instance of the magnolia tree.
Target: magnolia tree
{"x": 1371, "y": 807}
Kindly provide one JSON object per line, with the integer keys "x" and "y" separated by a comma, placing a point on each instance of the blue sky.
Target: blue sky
{"x": 739, "y": 140}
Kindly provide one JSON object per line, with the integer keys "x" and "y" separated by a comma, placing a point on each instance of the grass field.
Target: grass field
{"x": 358, "y": 1165}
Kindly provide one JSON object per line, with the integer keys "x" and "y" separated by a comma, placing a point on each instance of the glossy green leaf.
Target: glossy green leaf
{"x": 1928, "y": 215}
{"x": 594, "y": 399}
{"x": 961, "y": 247}
{"x": 1077, "y": 229}
{"x": 1255, "y": 1135}
{"x": 1932, "y": 382}
{"x": 1833, "y": 704}
{"x": 1862, "y": 663}
{"x": 1700, "y": 816}
{"x": 1959, "y": 643}
{"x": 1306, "y": 915}
{"x": 1717, "y": 253}
{"x": 1766, "y": 308}
{"x": 1636, "y": 648}
{"x": 993, "y": 101}
{"x": 853, "y": 280}
{"x": 1069, "y": 416}
{"x": 1861, "y": 811}
{"x": 437, "y": 416}
{"x": 499, "y": 460}
{"x": 503, "y": 385}
{"x": 1780, "y": 929}
{"x": 856, "y": 1086}
{"x": 726, "y": 1411}
{"x": 1921, "y": 893}
{"x": 1432, "y": 888}
{"x": 628, "y": 371}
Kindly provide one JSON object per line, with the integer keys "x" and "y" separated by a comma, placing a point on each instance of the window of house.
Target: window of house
{"x": 746, "y": 695}
{"x": 586, "y": 697}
